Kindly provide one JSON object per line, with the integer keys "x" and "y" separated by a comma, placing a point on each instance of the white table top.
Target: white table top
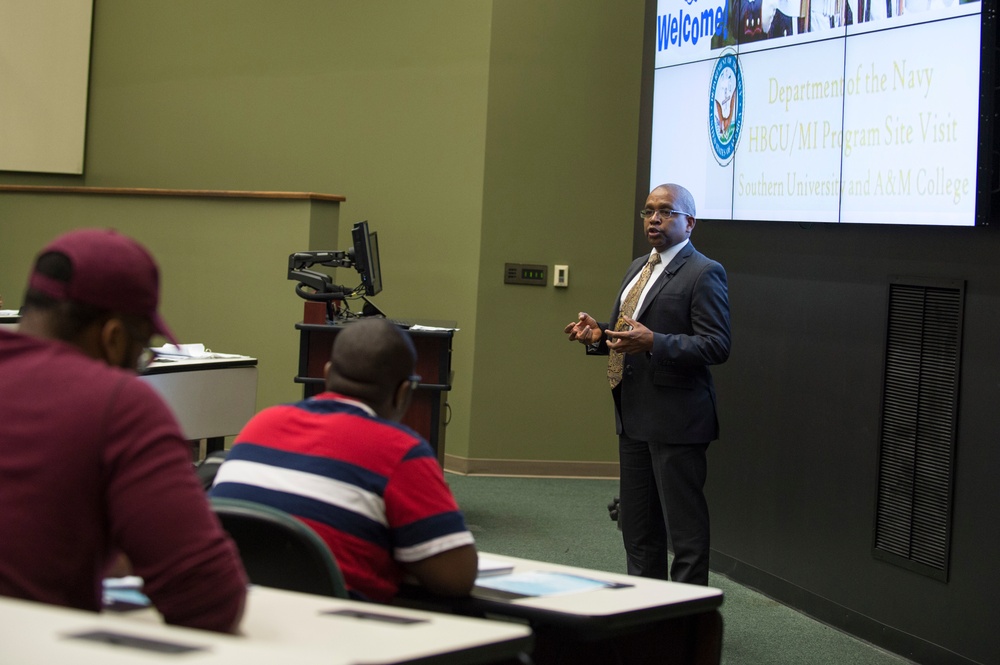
{"x": 280, "y": 617}
{"x": 37, "y": 634}
{"x": 9, "y": 319}
{"x": 629, "y": 594}
{"x": 627, "y": 604}
{"x": 167, "y": 365}
{"x": 278, "y": 626}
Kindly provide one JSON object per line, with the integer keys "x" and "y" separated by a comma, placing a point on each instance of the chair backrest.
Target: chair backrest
{"x": 208, "y": 468}
{"x": 278, "y": 550}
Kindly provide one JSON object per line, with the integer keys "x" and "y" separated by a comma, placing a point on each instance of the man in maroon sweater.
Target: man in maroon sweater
{"x": 93, "y": 467}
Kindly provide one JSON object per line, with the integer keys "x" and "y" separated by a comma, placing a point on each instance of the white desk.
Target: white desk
{"x": 211, "y": 398}
{"x": 639, "y": 620}
{"x": 277, "y": 617}
{"x": 37, "y": 634}
{"x": 636, "y": 600}
{"x": 9, "y": 319}
{"x": 278, "y": 627}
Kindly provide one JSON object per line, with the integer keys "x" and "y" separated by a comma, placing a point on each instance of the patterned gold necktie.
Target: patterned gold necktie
{"x": 616, "y": 359}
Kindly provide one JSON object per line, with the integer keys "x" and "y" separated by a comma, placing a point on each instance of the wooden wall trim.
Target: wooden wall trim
{"x": 193, "y": 193}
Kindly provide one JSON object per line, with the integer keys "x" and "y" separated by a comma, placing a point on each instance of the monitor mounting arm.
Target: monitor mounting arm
{"x": 325, "y": 290}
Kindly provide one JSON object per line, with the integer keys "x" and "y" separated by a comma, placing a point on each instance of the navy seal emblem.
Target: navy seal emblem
{"x": 725, "y": 107}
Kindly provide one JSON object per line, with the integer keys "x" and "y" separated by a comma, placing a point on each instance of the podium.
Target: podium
{"x": 427, "y": 414}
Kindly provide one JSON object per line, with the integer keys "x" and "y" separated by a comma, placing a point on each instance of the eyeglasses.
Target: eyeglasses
{"x": 414, "y": 381}
{"x": 664, "y": 213}
{"x": 146, "y": 356}
{"x": 144, "y": 360}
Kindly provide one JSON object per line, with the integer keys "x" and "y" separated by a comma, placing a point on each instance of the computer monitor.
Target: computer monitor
{"x": 366, "y": 260}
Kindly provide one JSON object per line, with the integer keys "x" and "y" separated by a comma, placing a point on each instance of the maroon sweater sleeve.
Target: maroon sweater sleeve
{"x": 159, "y": 517}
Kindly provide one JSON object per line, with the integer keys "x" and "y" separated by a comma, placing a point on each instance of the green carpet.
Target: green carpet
{"x": 566, "y": 521}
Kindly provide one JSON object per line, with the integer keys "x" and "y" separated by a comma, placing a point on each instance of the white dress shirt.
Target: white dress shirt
{"x": 666, "y": 256}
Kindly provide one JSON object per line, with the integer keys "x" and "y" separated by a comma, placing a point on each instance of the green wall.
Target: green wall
{"x": 561, "y": 143}
{"x": 468, "y": 134}
{"x": 208, "y": 292}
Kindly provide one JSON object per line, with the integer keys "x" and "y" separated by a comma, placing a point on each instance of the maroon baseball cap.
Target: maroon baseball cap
{"x": 110, "y": 271}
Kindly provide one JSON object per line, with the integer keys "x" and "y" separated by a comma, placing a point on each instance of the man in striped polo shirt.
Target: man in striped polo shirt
{"x": 369, "y": 486}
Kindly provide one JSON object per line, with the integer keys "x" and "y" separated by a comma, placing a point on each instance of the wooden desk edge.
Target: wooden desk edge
{"x": 200, "y": 365}
{"x": 437, "y": 327}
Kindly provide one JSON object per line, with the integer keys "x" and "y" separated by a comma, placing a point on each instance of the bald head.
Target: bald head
{"x": 669, "y": 216}
{"x": 683, "y": 200}
{"x": 371, "y": 360}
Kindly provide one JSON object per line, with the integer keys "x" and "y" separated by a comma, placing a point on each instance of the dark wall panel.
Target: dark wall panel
{"x": 793, "y": 479}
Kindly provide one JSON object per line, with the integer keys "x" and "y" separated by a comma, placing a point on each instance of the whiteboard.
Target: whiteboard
{"x": 44, "y": 70}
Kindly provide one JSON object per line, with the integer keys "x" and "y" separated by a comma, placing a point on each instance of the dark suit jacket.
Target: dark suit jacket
{"x": 667, "y": 395}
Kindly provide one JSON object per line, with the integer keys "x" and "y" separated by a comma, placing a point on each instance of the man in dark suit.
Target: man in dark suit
{"x": 669, "y": 323}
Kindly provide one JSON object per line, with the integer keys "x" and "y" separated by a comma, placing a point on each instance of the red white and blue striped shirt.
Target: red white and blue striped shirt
{"x": 371, "y": 488}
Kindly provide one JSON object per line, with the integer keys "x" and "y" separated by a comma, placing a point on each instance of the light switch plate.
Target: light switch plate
{"x": 560, "y": 275}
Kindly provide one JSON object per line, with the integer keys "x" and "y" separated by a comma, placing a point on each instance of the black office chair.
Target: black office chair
{"x": 278, "y": 550}
{"x": 207, "y": 468}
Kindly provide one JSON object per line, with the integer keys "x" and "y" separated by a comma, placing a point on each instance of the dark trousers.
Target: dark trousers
{"x": 662, "y": 498}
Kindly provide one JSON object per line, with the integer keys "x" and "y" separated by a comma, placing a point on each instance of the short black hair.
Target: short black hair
{"x": 369, "y": 359}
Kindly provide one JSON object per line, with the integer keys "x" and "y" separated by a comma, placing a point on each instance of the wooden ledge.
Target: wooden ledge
{"x": 194, "y": 193}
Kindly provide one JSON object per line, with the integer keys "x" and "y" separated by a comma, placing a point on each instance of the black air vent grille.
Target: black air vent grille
{"x": 919, "y": 412}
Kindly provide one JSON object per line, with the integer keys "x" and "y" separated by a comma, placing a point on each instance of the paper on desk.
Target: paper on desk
{"x": 429, "y": 328}
{"x": 129, "y": 582}
{"x": 124, "y": 593}
{"x": 189, "y": 351}
{"x": 488, "y": 566}
{"x": 541, "y": 583}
